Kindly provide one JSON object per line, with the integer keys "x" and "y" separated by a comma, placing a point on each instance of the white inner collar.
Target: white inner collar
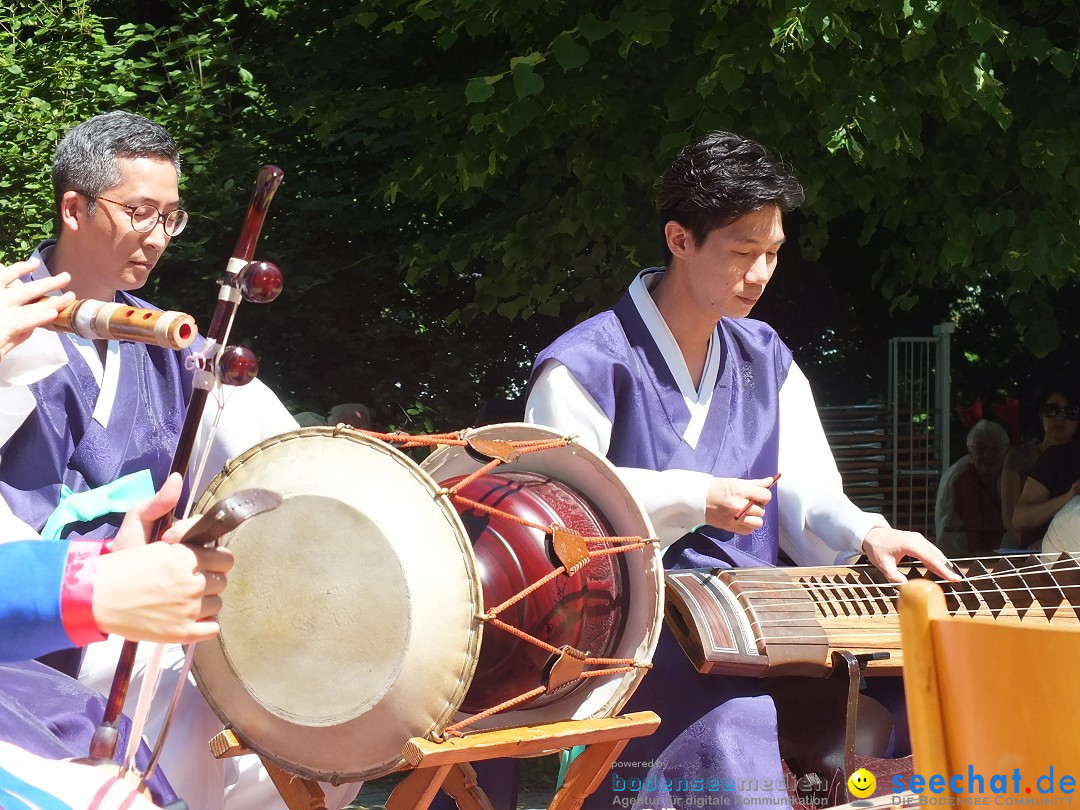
{"x": 697, "y": 399}
{"x": 106, "y": 374}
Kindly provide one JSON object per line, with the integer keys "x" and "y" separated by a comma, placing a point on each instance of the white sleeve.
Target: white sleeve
{"x": 1063, "y": 533}
{"x": 16, "y": 403}
{"x": 818, "y": 524}
{"x": 249, "y": 414}
{"x": 37, "y": 357}
{"x": 12, "y": 528}
{"x": 673, "y": 499}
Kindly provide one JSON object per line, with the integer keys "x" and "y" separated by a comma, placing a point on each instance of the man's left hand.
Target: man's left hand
{"x": 139, "y": 521}
{"x": 886, "y": 547}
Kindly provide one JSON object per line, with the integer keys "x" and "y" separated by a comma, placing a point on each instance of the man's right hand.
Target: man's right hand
{"x": 162, "y": 591}
{"x": 727, "y": 497}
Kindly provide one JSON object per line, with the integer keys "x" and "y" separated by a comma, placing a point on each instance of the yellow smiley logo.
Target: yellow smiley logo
{"x": 861, "y": 783}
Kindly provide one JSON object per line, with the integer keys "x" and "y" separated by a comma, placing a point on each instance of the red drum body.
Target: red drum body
{"x": 353, "y": 619}
{"x": 586, "y": 610}
{"x": 640, "y": 593}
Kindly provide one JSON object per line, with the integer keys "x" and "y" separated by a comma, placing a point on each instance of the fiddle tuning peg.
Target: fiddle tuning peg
{"x": 237, "y": 365}
{"x": 261, "y": 282}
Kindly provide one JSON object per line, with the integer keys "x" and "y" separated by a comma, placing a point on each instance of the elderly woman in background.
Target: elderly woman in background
{"x": 968, "y": 514}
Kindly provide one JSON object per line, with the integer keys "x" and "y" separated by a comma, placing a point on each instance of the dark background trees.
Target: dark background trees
{"x": 465, "y": 179}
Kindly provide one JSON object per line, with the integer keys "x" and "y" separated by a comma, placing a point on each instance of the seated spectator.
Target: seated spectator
{"x": 1053, "y": 481}
{"x": 1051, "y": 427}
{"x": 310, "y": 419}
{"x": 353, "y": 414}
{"x": 968, "y": 514}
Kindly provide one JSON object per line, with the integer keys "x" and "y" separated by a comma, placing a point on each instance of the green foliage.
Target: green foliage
{"x": 950, "y": 128}
{"x": 464, "y": 178}
{"x": 43, "y": 56}
{"x": 61, "y": 62}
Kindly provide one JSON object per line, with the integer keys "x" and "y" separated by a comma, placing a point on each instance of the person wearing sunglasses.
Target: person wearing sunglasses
{"x": 1053, "y": 477}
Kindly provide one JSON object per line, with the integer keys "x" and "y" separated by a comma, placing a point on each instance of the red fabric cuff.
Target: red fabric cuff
{"x": 77, "y": 592}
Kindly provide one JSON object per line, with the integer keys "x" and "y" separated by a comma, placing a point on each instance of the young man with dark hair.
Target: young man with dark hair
{"x": 698, "y": 407}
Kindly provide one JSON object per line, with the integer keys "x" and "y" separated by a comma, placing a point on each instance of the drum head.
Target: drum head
{"x": 596, "y": 480}
{"x": 349, "y": 622}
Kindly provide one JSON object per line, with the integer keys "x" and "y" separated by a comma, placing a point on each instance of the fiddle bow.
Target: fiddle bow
{"x": 260, "y": 282}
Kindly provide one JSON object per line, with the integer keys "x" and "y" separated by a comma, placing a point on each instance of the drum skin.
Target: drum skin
{"x": 351, "y": 621}
{"x": 585, "y": 610}
{"x": 349, "y": 624}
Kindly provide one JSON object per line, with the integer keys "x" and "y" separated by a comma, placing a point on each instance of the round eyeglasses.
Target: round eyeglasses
{"x": 144, "y": 217}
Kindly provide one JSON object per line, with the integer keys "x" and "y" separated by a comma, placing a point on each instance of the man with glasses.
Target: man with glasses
{"x": 100, "y": 430}
{"x": 114, "y": 410}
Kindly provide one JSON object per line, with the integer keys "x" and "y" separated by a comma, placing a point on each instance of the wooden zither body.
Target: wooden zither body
{"x": 761, "y": 622}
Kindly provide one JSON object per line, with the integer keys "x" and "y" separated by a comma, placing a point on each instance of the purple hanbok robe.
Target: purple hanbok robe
{"x": 49, "y": 714}
{"x": 59, "y": 443}
{"x": 717, "y": 737}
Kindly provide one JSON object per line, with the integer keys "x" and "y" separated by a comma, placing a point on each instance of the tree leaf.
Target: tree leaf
{"x": 479, "y": 89}
{"x": 568, "y": 53}
{"x": 526, "y": 81}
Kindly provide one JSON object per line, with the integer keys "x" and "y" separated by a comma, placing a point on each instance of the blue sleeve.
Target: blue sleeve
{"x": 31, "y": 574}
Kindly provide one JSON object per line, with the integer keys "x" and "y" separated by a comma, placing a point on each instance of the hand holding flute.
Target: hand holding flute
{"x": 22, "y": 307}
{"x": 87, "y": 318}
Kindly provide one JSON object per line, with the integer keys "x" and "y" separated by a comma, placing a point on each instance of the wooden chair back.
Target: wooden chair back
{"x": 990, "y": 698}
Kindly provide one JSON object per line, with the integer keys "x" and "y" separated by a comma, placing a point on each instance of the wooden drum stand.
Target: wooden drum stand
{"x": 447, "y": 765}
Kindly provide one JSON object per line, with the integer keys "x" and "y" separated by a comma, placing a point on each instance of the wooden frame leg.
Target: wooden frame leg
{"x": 297, "y": 792}
{"x": 585, "y": 774}
{"x": 462, "y": 787}
{"x": 447, "y": 765}
{"x": 417, "y": 790}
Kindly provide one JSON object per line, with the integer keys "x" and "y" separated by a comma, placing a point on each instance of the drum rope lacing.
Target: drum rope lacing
{"x": 617, "y": 545}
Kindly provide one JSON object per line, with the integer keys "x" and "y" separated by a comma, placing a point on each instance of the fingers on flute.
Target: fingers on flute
{"x": 20, "y": 292}
{"x": 25, "y": 305}
{"x": 28, "y": 317}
